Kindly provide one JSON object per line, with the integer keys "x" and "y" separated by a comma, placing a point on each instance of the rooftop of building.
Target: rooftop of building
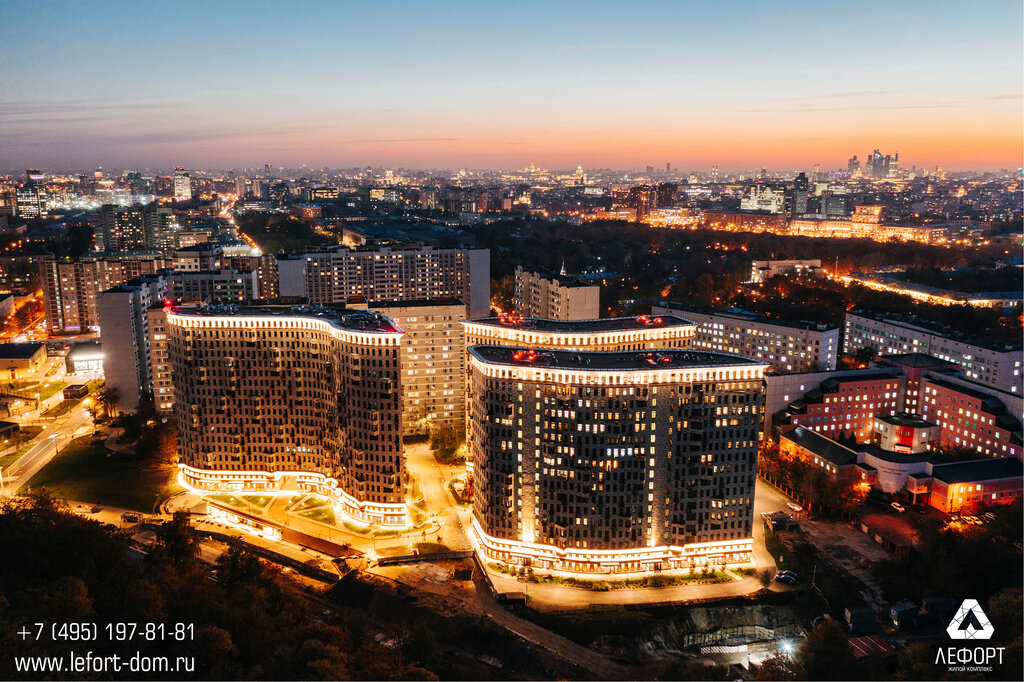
{"x": 823, "y": 447}
{"x": 743, "y": 315}
{"x": 342, "y": 318}
{"x": 18, "y": 351}
{"x": 201, "y": 246}
{"x": 931, "y": 327}
{"x": 989, "y": 469}
{"x": 610, "y": 324}
{"x": 608, "y": 360}
{"x": 417, "y": 303}
{"x": 905, "y": 419}
{"x": 915, "y": 360}
{"x": 562, "y": 280}
{"x": 895, "y": 457}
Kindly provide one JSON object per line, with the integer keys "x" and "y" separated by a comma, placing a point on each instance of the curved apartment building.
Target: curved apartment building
{"x": 265, "y": 393}
{"x": 618, "y": 333}
{"x": 611, "y": 462}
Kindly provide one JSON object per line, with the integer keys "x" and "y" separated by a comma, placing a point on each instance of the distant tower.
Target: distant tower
{"x": 668, "y": 167}
{"x": 182, "y": 184}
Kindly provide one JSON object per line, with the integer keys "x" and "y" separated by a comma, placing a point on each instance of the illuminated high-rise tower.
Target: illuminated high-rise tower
{"x": 182, "y": 184}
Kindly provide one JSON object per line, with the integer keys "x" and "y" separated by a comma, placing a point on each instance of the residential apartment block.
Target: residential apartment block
{"x": 336, "y": 274}
{"x": 786, "y": 346}
{"x": 304, "y": 391}
{"x": 618, "y": 461}
{"x": 70, "y": 287}
{"x": 556, "y": 297}
{"x": 989, "y": 364}
{"x": 433, "y": 361}
{"x": 126, "y": 340}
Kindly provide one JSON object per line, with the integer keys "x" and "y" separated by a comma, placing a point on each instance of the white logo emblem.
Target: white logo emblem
{"x": 970, "y": 622}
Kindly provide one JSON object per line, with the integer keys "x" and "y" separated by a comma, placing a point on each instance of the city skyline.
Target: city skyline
{"x": 227, "y": 85}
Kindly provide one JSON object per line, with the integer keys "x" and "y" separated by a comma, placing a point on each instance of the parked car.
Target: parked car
{"x": 785, "y": 579}
{"x": 795, "y": 507}
{"x": 898, "y": 507}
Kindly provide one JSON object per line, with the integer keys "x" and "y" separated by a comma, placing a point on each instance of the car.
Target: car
{"x": 794, "y": 506}
{"x": 788, "y": 573}
{"x": 989, "y": 516}
{"x": 785, "y": 579}
{"x": 898, "y": 507}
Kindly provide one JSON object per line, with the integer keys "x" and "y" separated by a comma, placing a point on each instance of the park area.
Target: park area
{"x": 83, "y": 472}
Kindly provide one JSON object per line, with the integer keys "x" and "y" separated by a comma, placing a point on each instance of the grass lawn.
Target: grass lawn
{"x": 83, "y": 474}
{"x": 61, "y": 408}
{"x": 258, "y": 500}
{"x": 20, "y": 443}
{"x": 321, "y": 514}
{"x": 45, "y": 389}
{"x": 311, "y": 502}
{"x": 228, "y": 498}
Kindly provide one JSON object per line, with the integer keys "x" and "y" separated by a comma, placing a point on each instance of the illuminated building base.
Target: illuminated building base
{"x": 202, "y": 481}
{"x": 602, "y": 561}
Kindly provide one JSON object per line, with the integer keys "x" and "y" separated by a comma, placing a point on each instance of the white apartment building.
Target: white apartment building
{"x": 338, "y": 274}
{"x": 126, "y": 337}
{"x": 998, "y": 367}
{"x": 786, "y": 346}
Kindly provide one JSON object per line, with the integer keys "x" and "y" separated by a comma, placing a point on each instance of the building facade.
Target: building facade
{"x": 996, "y": 366}
{"x": 125, "y": 337}
{"x": 610, "y": 462}
{"x": 337, "y": 274}
{"x": 70, "y": 287}
{"x": 224, "y": 286}
{"x": 313, "y": 393}
{"x": 763, "y": 270}
{"x": 971, "y": 418}
{"x": 433, "y": 357}
{"x": 555, "y": 297}
{"x": 644, "y": 332}
{"x": 786, "y": 346}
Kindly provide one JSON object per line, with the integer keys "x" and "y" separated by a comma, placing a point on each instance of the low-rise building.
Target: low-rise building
{"x": 21, "y": 360}
{"x": 902, "y": 432}
{"x": 763, "y": 270}
{"x": 951, "y": 487}
{"x": 972, "y": 416}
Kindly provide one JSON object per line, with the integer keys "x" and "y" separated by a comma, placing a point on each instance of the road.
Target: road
{"x": 55, "y": 436}
{"x": 432, "y": 478}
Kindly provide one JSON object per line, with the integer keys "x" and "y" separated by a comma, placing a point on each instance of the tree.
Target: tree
{"x": 108, "y": 398}
{"x": 695, "y": 670}
{"x": 446, "y": 443}
{"x": 178, "y": 543}
{"x": 781, "y": 668}
{"x": 826, "y": 654}
{"x": 238, "y": 567}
